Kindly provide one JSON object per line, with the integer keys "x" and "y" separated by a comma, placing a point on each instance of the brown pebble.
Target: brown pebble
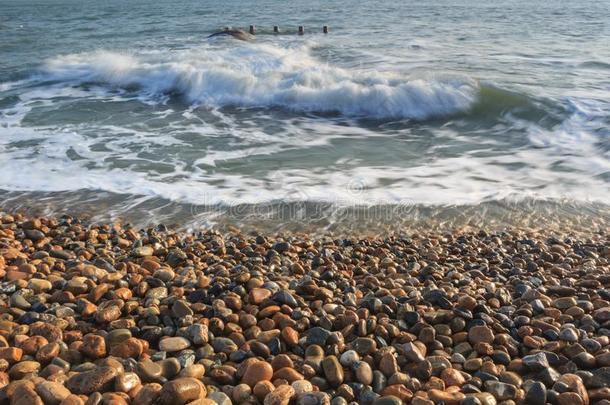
{"x": 280, "y": 396}
{"x": 148, "y": 394}
{"x": 257, "y": 371}
{"x": 94, "y": 346}
{"x": 25, "y": 395}
{"x": 52, "y": 393}
{"x": 72, "y": 400}
{"x": 130, "y": 348}
{"x": 181, "y": 391}
{"x": 287, "y": 373}
{"x": 98, "y": 380}
{"x": 262, "y": 388}
{"x": 332, "y": 370}
{"x": 11, "y": 354}
{"x": 480, "y": 334}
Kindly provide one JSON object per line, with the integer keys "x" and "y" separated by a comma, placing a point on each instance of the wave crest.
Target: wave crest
{"x": 263, "y": 75}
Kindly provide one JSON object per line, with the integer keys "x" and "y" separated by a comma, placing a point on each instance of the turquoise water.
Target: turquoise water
{"x": 126, "y": 109}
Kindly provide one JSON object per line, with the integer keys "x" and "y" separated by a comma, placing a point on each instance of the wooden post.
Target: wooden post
{"x": 276, "y": 29}
{"x": 252, "y": 29}
{"x": 325, "y": 29}
{"x": 301, "y": 30}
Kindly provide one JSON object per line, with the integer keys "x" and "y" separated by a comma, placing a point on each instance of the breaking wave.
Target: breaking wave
{"x": 268, "y": 76}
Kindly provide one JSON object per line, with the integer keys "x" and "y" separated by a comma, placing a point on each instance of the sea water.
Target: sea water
{"x": 448, "y": 112}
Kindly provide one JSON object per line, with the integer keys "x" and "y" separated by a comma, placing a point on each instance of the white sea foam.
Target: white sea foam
{"x": 264, "y": 75}
{"x": 442, "y": 181}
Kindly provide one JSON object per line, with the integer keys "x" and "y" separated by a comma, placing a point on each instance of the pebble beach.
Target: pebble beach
{"x": 110, "y": 314}
{"x": 363, "y": 203}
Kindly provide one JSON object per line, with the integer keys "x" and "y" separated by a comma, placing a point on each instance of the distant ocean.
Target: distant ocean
{"x": 439, "y": 113}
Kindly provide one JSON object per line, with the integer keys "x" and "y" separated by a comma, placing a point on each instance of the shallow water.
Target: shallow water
{"x": 448, "y": 113}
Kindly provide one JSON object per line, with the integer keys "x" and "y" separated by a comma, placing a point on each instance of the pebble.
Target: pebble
{"x": 333, "y": 370}
{"x": 23, "y": 368}
{"x": 51, "y": 392}
{"x": 600, "y": 378}
{"x": 257, "y": 371}
{"x": 126, "y": 382}
{"x": 413, "y": 352}
{"x": 480, "y": 334}
{"x": 502, "y": 391}
{"x": 174, "y": 344}
{"x": 317, "y": 336}
{"x": 536, "y": 361}
{"x": 241, "y": 393}
{"x": 149, "y": 371}
{"x": 99, "y": 379}
{"x": 280, "y": 396}
{"x": 109, "y": 314}
{"x": 536, "y": 394}
{"x": 181, "y": 391}
{"x": 301, "y": 387}
{"x": 223, "y": 345}
{"x": 364, "y": 346}
{"x": 388, "y": 364}
{"x": 262, "y": 388}
{"x": 198, "y": 334}
{"x": 364, "y": 372}
{"x": 445, "y": 397}
{"x": 219, "y": 398}
{"x": 25, "y": 395}
{"x": 349, "y": 358}
{"x": 388, "y": 400}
